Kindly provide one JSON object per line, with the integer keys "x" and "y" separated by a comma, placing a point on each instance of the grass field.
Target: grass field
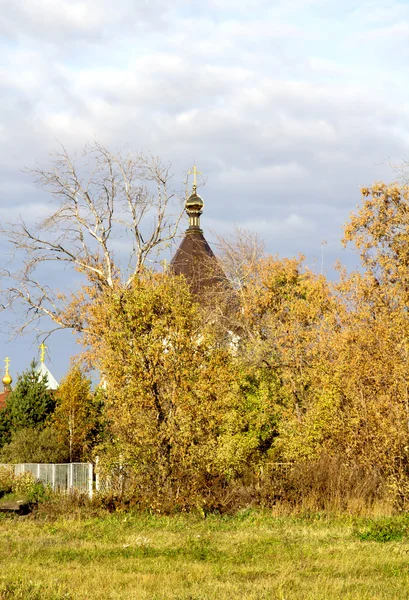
{"x": 250, "y": 556}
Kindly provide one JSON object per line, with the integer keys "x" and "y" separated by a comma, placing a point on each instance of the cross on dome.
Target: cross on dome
{"x": 42, "y": 353}
{"x": 195, "y": 173}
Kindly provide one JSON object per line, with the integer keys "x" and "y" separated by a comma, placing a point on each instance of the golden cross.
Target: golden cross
{"x": 195, "y": 173}
{"x": 7, "y": 361}
{"x": 42, "y": 354}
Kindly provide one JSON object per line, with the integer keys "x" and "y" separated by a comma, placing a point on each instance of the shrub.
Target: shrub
{"x": 34, "y": 445}
{"x": 27, "y": 486}
{"x": 23, "y": 483}
{"x": 6, "y": 480}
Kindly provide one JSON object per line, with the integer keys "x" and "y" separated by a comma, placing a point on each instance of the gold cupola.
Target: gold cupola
{"x": 7, "y": 379}
{"x": 194, "y": 259}
{"x": 194, "y": 208}
{"x": 194, "y": 204}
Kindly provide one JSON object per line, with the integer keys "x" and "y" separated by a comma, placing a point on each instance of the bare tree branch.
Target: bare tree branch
{"x": 102, "y": 198}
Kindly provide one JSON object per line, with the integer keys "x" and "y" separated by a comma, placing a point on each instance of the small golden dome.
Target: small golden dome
{"x": 194, "y": 201}
{"x": 7, "y": 379}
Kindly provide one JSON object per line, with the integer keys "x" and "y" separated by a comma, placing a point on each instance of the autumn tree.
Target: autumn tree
{"x": 371, "y": 425}
{"x": 97, "y": 199}
{"x": 284, "y": 311}
{"x": 169, "y": 385}
{"x": 380, "y": 232}
{"x": 358, "y": 391}
{"x": 77, "y": 414}
{"x": 373, "y": 347}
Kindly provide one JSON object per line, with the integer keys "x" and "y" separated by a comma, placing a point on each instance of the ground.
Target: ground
{"x": 250, "y": 556}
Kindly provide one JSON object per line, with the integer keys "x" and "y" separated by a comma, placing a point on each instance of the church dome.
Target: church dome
{"x": 194, "y": 201}
{"x": 194, "y": 208}
{"x": 7, "y": 379}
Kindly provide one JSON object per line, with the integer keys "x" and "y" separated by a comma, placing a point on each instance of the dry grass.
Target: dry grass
{"x": 328, "y": 484}
{"x": 251, "y": 556}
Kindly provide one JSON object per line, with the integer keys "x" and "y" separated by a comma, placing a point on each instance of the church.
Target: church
{"x": 194, "y": 259}
{"x": 42, "y": 370}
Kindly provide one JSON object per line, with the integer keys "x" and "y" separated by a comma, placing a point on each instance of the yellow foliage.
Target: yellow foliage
{"x": 76, "y": 414}
{"x": 168, "y": 382}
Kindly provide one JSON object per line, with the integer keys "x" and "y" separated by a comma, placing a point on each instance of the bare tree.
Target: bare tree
{"x": 239, "y": 255}
{"x": 102, "y": 198}
{"x": 225, "y": 280}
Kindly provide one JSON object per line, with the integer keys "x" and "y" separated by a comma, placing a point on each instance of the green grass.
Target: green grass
{"x": 251, "y": 556}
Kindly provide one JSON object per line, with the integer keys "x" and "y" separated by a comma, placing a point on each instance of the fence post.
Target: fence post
{"x": 97, "y": 483}
{"x": 71, "y": 476}
{"x": 90, "y": 480}
{"x": 38, "y": 471}
{"x": 53, "y": 477}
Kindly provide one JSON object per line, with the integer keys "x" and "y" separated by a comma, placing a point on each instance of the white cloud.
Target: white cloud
{"x": 76, "y": 20}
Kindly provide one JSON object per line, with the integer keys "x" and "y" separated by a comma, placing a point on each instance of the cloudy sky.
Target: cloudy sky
{"x": 287, "y": 107}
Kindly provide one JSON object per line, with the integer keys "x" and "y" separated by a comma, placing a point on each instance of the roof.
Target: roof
{"x": 196, "y": 261}
{"x": 44, "y": 371}
{"x": 3, "y": 397}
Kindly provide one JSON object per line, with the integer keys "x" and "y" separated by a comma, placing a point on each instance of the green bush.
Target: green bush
{"x": 388, "y": 529}
{"x": 34, "y": 445}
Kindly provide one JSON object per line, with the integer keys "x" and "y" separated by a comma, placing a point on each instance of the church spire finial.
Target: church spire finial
{"x": 194, "y": 204}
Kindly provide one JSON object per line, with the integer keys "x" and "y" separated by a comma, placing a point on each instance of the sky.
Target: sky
{"x": 288, "y": 108}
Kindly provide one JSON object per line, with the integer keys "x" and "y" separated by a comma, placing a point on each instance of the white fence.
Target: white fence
{"x": 60, "y": 477}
